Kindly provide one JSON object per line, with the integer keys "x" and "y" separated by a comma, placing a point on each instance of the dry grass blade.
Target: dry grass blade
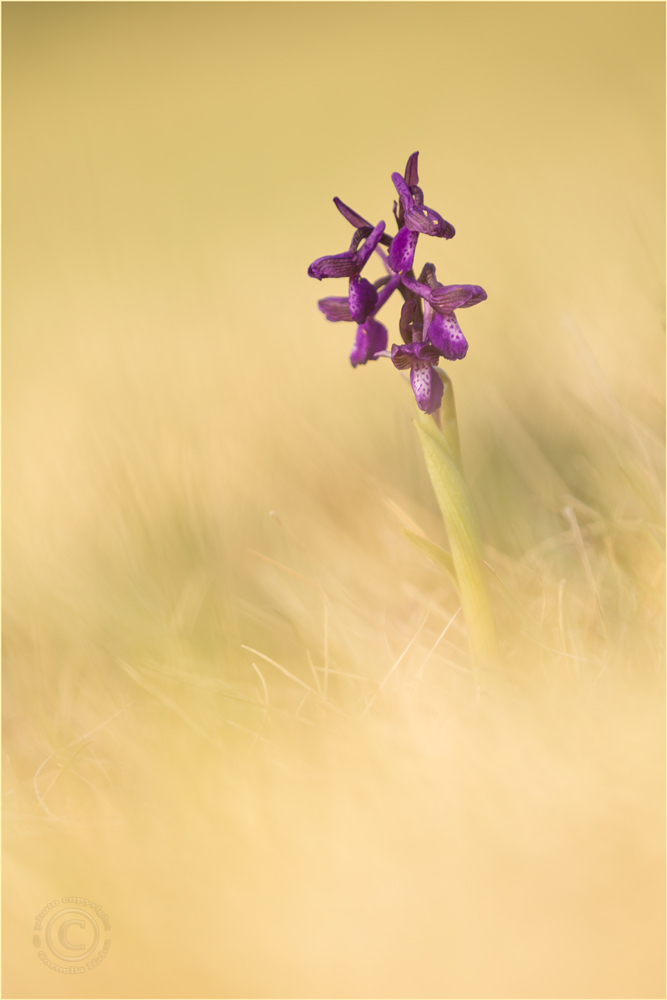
{"x": 167, "y": 702}
{"x": 436, "y": 644}
{"x": 394, "y": 668}
{"x": 571, "y": 517}
{"x": 297, "y": 680}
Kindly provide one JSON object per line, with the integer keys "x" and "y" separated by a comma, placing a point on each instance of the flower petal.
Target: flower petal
{"x": 363, "y": 299}
{"x": 416, "y": 286}
{"x": 336, "y": 308}
{"x": 369, "y": 246}
{"x": 339, "y": 265}
{"x": 446, "y": 298}
{"x": 407, "y": 355}
{"x": 357, "y": 220}
{"x": 411, "y": 176}
{"x": 344, "y": 265}
{"x": 388, "y": 290}
{"x": 352, "y": 217}
{"x": 401, "y": 356}
{"x": 446, "y": 335}
{"x": 371, "y": 338}
{"x": 407, "y": 200}
{"x": 402, "y": 250}
{"x": 426, "y": 352}
{"x": 427, "y": 386}
{"x": 422, "y": 219}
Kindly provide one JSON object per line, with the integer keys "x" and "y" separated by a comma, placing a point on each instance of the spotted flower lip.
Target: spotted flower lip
{"x": 445, "y": 334}
{"x": 426, "y": 383}
{"x": 352, "y": 261}
{"x": 402, "y": 250}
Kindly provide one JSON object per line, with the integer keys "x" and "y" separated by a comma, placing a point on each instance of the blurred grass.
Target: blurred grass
{"x": 168, "y": 170}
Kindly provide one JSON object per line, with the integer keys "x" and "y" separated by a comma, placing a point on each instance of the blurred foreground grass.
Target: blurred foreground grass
{"x": 365, "y": 826}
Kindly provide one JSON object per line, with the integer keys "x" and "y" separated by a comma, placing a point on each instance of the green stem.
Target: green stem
{"x": 450, "y": 424}
{"x": 443, "y": 462}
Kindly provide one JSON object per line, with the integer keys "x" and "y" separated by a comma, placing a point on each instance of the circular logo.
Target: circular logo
{"x": 71, "y": 935}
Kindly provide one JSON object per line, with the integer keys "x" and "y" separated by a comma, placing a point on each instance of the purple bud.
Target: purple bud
{"x": 427, "y": 387}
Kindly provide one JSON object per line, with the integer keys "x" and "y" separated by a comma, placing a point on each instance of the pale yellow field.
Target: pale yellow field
{"x": 169, "y": 382}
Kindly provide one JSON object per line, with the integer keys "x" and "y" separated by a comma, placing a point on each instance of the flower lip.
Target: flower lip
{"x": 402, "y": 249}
{"x": 447, "y": 336}
{"x": 426, "y": 383}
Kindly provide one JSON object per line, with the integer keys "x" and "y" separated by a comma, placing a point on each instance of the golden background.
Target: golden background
{"x": 168, "y": 175}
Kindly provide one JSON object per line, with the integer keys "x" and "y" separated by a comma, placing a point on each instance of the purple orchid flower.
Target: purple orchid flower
{"x": 352, "y": 261}
{"x": 426, "y": 383}
{"x": 413, "y": 217}
{"x": 428, "y": 324}
{"x": 362, "y": 306}
{"x": 440, "y": 324}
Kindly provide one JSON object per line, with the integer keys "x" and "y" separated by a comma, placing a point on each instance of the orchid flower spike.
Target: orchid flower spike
{"x": 428, "y": 324}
